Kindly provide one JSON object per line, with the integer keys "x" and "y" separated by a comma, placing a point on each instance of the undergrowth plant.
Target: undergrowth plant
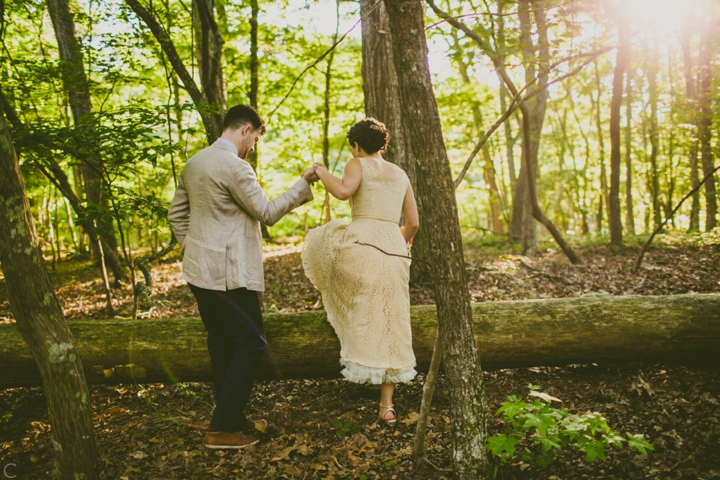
{"x": 535, "y": 432}
{"x": 345, "y": 428}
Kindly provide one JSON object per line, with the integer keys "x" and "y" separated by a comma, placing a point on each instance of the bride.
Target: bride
{"x": 362, "y": 269}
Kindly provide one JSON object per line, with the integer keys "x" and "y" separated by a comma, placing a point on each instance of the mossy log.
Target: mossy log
{"x": 593, "y": 329}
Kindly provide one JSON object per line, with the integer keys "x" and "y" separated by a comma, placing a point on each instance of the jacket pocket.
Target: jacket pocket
{"x": 203, "y": 261}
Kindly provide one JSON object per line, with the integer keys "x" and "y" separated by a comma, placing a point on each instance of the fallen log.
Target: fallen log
{"x": 591, "y": 329}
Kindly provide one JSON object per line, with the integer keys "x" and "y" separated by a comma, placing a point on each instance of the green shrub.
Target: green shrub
{"x": 535, "y": 432}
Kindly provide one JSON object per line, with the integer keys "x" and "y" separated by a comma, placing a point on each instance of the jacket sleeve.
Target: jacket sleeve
{"x": 245, "y": 189}
{"x": 179, "y": 213}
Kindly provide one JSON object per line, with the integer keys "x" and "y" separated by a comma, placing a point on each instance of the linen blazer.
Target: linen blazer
{"x": 216, "y": 214}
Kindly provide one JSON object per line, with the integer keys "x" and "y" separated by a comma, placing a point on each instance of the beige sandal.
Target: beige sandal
{"x": 384, "y": 409}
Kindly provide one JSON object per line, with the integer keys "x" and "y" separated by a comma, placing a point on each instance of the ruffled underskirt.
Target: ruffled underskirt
{"x": 357, "y": 373}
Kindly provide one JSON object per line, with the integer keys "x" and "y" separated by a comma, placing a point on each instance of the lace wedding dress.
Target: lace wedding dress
{"x": 365, "y": 291}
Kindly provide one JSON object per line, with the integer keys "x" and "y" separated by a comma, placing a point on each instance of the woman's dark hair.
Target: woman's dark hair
{"x": 370, "y": 134}
{"x": 240, "y": 115}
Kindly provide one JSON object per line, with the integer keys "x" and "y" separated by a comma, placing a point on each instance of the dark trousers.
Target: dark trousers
{"x": 236, "y": 342}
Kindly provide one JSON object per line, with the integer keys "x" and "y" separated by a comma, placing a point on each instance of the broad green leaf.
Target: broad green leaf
{"x": 497, "y": 444}
{"x": 638, "y": 442}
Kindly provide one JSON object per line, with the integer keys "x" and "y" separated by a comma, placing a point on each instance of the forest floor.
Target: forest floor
{"x": 154, "y": 431}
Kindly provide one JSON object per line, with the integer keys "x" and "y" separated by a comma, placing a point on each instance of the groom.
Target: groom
{"x": 216, "y": 214}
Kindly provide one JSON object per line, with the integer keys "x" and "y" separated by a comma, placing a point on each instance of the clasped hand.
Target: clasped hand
{"x": 310, "y": 175}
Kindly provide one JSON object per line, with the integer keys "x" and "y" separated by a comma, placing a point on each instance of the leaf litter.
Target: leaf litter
{"x": 154, "y": 431}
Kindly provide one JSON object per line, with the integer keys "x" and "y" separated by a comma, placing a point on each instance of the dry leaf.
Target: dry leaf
{"x": 284, "y": 454}
{"x": 411, "y": 418}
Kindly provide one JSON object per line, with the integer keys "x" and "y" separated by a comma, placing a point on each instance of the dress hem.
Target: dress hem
{"x": 354, "y": 372}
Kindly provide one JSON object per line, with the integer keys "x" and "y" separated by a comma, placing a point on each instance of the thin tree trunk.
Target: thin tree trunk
{"x": 40, "y": 320}
{"x": 494, "y": 194}
{"x": 326, "y": 111}
{"x": 654, "y": 135}
{"x": 621, "y": 65}
{"x": 509, "y": 141}
{"x": 436, "y": 192}
{"x": 56, "y": 219}
{"x": 707, "y": 37}
{"x": 604, "y": 194}
{"x": 629, "y": 207}
{"x": 254, "y": 157}
{"x": 71, "y": 224}
{"x": 691, "y": 96}
{"x": 419, "y": 452}
{"x": 106, "y": 284}
{"x": 254, "y": 69}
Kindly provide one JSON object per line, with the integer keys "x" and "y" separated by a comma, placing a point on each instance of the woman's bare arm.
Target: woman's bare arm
{"x": 410, "y": 212}
{"x": 341, "y": 188}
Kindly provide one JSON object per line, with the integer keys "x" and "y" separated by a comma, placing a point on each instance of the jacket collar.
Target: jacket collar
{"x": 225, "y": 145}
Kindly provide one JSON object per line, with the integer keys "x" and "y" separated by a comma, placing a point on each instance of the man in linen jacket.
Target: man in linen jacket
{"x": 216, "y": 214}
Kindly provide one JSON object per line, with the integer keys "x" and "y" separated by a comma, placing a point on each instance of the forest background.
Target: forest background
{"x": 143, "y": 124}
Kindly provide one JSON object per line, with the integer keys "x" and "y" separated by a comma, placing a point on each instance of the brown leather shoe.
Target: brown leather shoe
{"x": 228, "y": 440}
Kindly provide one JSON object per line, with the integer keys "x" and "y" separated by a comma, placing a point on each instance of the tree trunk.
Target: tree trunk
{"x": 42, "y": 325}
{"x": 382, "y": 101}
{"x": 621, "y": 65}
{"x": 705, "y": 121}
{"x": 76, "y": 84}
{"x": 509, "y": 141}
{"x": 654, "y": 135}
{"x": 209, "y": 52}
{"x": 514, "y": 334}
{"x": 489, "y": 170}
{"x": 604, "y": 194}
{"x": 436, "y": 192}
{"x": 326, "y": 112}
{"x": 629, "y": 207}
{"x": 532, "y": 56}
{"x": 691, "y": 97}
{"x": 252, "y": 158}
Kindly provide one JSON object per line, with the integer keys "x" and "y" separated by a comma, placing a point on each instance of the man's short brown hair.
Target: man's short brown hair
{"x": 240, "y": 115}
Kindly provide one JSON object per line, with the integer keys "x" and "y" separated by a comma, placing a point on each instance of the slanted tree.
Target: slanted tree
{"x": 436, "y": 191}
{"x": 211, "y": 118}
{"x": 40, "y": 320}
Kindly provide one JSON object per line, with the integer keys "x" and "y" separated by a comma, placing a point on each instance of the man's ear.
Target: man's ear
{"x": 246, "y": 129}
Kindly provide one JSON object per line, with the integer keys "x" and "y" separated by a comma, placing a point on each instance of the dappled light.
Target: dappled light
{"x": 378, "y": 239}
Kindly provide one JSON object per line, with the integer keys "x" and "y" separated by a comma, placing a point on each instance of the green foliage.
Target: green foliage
{"x": 345, "y": 428}
{"x": 6, "y": 417}
{"x": 536, "y": 431}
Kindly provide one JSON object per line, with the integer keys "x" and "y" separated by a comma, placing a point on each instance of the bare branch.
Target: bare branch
{"x": 320, "y": 58}
{"x": 168, "y": 47}
{"x": 517, "y": 102}
{"x": 677, "y": 207}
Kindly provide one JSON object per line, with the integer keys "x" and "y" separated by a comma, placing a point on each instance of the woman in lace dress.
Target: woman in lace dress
{"x": 362, "y": 269}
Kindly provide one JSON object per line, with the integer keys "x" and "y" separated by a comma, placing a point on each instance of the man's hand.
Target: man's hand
{"x": 309, "y": 174}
